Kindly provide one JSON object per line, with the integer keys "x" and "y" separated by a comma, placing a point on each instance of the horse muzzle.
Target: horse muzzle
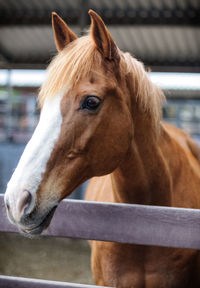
{"x": 25, "y": 214}
{"x": 39, "y": 226}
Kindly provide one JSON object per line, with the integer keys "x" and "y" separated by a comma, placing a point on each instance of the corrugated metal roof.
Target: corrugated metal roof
{"x": 103, "y": 4}
{"x": 153, "y": 45}
{"x": 26, "y": 38}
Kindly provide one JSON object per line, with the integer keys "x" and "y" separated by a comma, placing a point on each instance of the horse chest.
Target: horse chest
{"x": 124, "y": 266}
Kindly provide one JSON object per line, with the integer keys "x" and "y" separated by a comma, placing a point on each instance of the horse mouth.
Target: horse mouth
{"x": 42, "y": 226}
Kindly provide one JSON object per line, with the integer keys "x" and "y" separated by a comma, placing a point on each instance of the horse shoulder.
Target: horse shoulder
{"x": 194, "y": 148}
{"x": 182, "y": 154}
{"x": 99, "y": 189}
{"x": 183, "y": 139}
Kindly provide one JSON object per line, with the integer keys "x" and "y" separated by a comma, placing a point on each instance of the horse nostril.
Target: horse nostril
{"x": 7, "y": 205}
{"x": 24, "y": 202}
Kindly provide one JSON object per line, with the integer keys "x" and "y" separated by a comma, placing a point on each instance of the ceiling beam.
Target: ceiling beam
{"x": 189, "y": 16}
{"x": 154, "y": 68}
{"x": 4, "y": 55}
{"x": 179, "y": 69}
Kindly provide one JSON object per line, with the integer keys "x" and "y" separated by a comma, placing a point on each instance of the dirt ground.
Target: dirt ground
{"x": 45, "y": 258}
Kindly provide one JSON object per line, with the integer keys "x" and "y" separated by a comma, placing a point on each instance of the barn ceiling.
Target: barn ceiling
{"x": 164, "y": 34}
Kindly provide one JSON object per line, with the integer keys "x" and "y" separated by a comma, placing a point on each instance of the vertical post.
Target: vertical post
{"x": 30, "y": 102}
{"x": 9, "y": 107}
{"x": 84, "y": 6}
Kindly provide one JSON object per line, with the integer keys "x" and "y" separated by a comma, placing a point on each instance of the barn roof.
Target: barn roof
{"x": 164, "y": 34}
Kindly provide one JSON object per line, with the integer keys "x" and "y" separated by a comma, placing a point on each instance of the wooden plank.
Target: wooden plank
{"x": 136, "y": 224}
{"x": 19, "y": 282}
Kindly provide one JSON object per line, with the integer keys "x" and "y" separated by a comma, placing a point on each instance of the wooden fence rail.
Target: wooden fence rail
{"x": 135, "y": 224}
{"x": 20, "y": 282}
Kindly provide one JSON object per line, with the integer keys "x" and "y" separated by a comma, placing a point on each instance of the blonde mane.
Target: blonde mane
{"x": 81, "y": 58}
{"x": 76, "y": 61}
{"x": 147, "y": 95}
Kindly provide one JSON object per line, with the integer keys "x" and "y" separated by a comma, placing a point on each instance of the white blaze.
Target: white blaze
{"x": 32, "y": 164}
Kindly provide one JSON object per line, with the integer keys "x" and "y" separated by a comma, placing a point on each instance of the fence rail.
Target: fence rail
{"x": 20, "y": 282}
{"x": 124, "y": 223}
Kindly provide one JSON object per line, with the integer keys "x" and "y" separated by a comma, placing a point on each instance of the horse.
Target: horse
{"x": 101, "y": 119}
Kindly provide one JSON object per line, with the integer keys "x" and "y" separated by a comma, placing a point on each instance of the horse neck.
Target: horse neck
{"x": 143, "y": 176}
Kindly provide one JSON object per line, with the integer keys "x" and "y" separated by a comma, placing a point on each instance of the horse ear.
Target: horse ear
{"x": 102, "y": 38}
{"x": 62, "y": 34}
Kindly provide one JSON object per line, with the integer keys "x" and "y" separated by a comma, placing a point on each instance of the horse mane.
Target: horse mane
{"x": 147, "y": 95}
{"x": 80, "y": 58}
{"x": 77, "y": 60}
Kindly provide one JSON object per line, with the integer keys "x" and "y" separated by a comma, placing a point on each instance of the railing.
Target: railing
{"x": 124, "y": 223}
{"x": 19, "y": 282}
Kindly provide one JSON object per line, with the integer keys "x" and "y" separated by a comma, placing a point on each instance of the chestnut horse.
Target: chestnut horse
{"x": 101, "y": 117}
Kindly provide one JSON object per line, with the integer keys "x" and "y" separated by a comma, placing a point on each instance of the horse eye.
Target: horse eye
{"x": 91, "y": 103}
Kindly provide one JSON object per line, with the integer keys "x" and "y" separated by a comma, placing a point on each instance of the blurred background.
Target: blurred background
{"x": 164, "y": 34}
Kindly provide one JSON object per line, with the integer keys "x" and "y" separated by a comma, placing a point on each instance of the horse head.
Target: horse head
{"x": 85, "y": 126}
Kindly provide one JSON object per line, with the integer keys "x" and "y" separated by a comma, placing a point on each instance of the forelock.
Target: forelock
{"x": 78, "y": 60}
